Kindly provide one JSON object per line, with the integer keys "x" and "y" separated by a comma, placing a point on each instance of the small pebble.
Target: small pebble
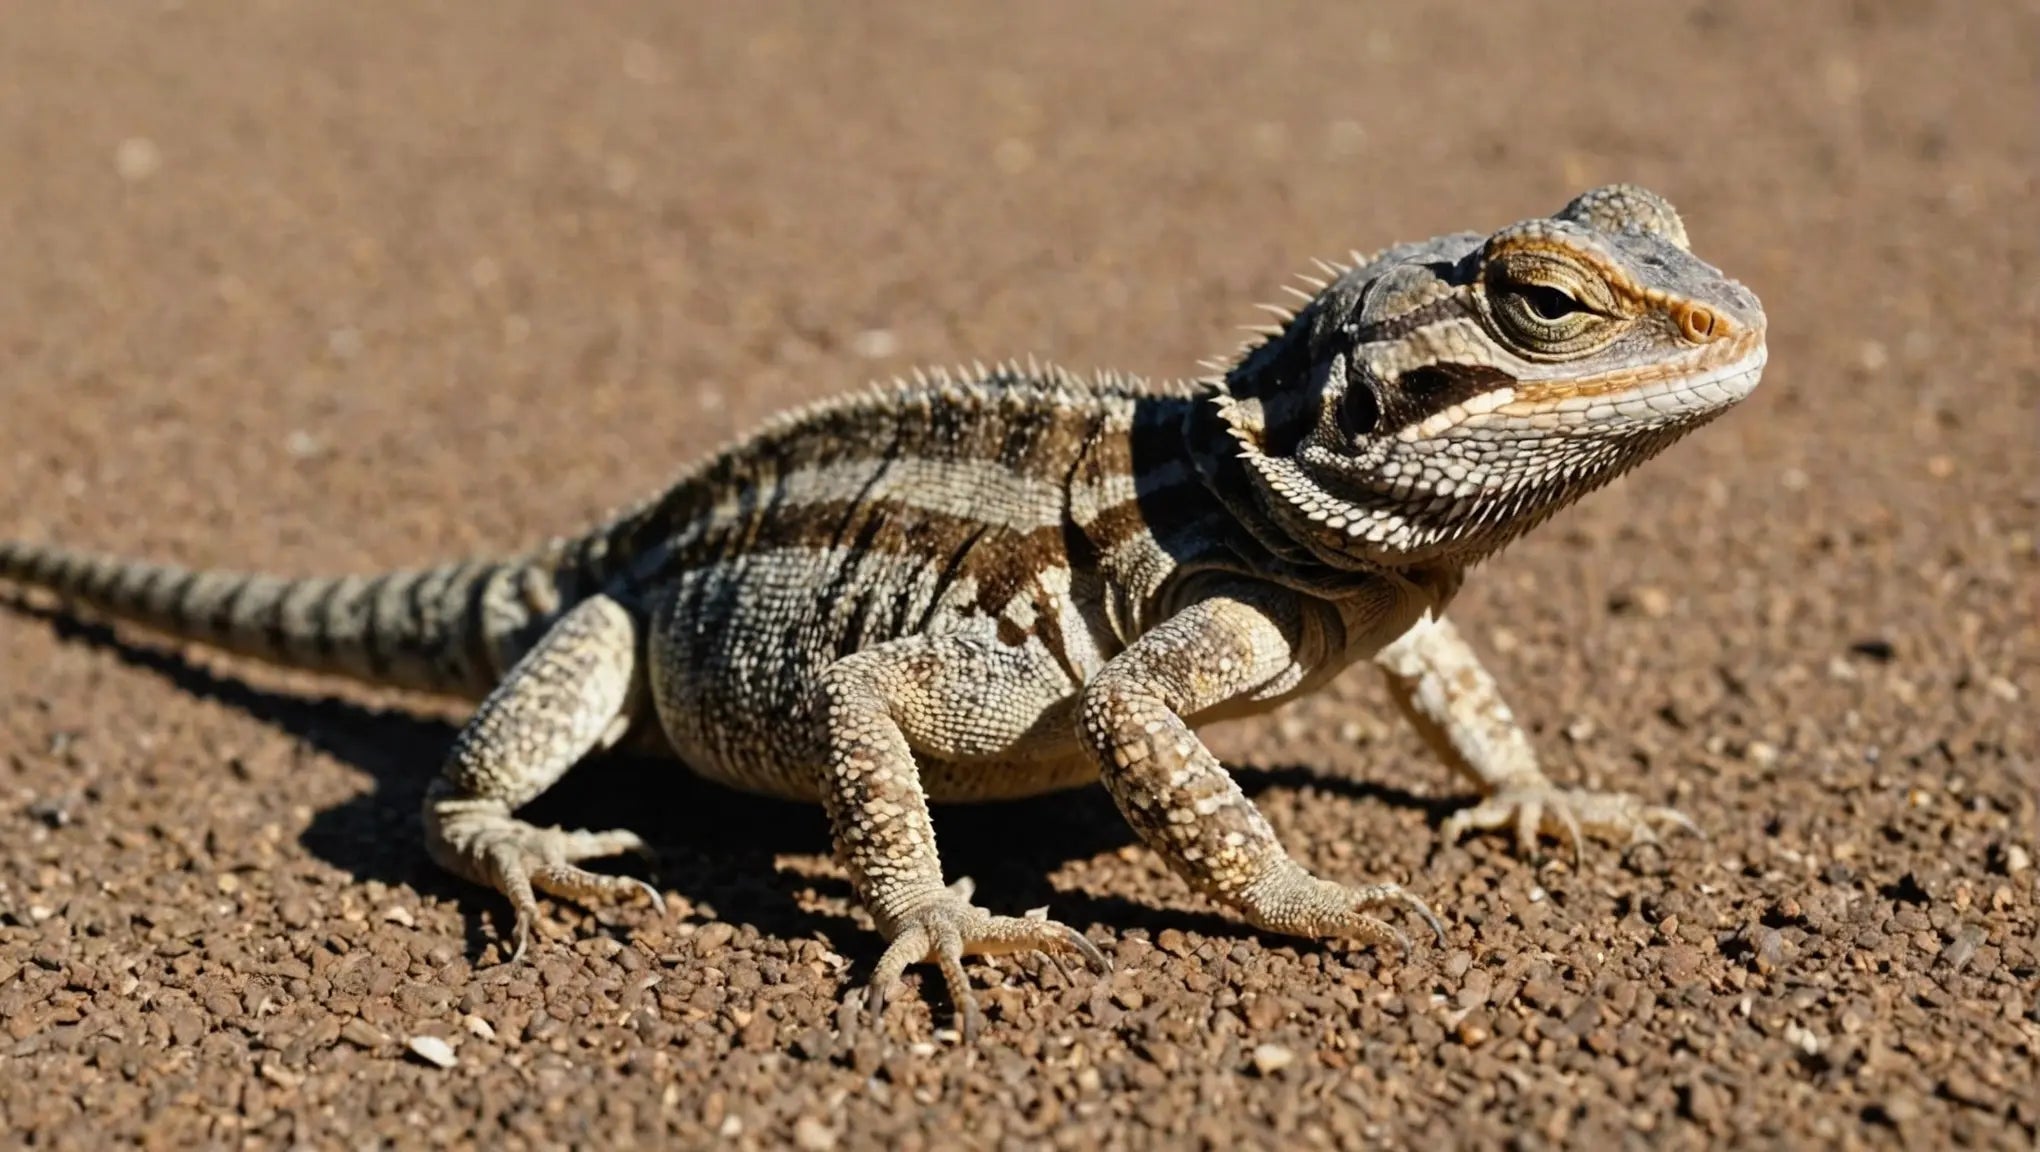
{"x": 432, "y": 1050}
{"x": 714, "y": 937}
{"x": 1963, "y": 948}
{"x": 137, "y": 158}
{"x": 362, "y": 1034}
{"x": 811, "y": 1135}
{"x": 1769, "y": 954}
{"x": 1272, "y": 1058}
{"x": 53, "y": 812}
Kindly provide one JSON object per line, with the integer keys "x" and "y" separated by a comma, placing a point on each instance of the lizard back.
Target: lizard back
{"x": 1003, "y": 505}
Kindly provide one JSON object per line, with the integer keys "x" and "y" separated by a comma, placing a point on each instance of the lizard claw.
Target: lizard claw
{"x": 1292, "y": 901}
{"x": 1568, "y": 815}
{"x": 520, "y": 859}
{"x": 1430, "y": 918}
{"x": 949, "y": 928}
{"x": 1386, "y": 894}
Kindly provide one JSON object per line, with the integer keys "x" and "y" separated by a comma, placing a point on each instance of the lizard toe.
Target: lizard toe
{"x": 520, "y": 859}
{"x": 950, "y": 928}
{"x": 1568, "y": 815}
{"x": 1292, "y": 901}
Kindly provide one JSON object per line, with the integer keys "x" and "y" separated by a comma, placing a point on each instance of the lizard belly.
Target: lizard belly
{"x": 737, "y": 649}
{"x": 1044, "y": 758}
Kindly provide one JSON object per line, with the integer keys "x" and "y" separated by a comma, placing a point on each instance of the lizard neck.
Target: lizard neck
{"x": 1216, "y": 453}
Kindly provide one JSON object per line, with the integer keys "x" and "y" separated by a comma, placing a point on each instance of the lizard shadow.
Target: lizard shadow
{"x": 990, "y": 845}
{"x": 716, "y": 847}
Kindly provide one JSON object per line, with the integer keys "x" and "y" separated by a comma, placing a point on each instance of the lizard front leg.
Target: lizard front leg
{"x": 1438, "y": 681}
{"x": 955, "y": 697}
{"x": 1249, "y": 644}
{"x": 569, "y": 696}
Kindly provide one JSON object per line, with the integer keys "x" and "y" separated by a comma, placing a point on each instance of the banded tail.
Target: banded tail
{"x": 448, "y": 629}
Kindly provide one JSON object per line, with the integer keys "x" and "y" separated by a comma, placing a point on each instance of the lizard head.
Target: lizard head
{"x": 1436, "y": 400}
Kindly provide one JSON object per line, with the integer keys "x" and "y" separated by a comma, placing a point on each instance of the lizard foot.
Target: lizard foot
{"x": 1568, "y": 815}
{"x": 950, "y": 928}
{"x": 513, "y": 857}
{"x": 1292, "y": 901}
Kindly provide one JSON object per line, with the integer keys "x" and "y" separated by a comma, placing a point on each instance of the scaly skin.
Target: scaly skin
{"x": 1013, "y": 581}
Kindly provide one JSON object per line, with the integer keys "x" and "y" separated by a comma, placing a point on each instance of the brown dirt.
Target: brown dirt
{"x": 338, "y": 286}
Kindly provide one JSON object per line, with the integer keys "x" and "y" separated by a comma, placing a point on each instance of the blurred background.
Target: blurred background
{"x": 341, "y": 286}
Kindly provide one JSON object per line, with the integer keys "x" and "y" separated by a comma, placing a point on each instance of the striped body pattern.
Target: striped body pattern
{"x": 993, "y": 583}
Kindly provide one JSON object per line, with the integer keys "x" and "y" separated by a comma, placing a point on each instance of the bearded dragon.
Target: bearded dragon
{"x": 994, "y": 583}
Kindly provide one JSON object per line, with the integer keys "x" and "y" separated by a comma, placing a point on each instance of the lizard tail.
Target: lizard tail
{"x": 450, "y": 629}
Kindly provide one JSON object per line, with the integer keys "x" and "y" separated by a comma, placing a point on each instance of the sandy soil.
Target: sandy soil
{"x": 324, "y": 286}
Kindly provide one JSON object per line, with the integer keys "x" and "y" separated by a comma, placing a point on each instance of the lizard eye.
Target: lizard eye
{"x": 1544, "y": 318}
{"x": 1550, "y": 303}
{"x": 1546, "y": 302}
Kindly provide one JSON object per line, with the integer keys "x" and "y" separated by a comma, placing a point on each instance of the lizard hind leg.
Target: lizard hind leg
{"x": 569, "y": 696}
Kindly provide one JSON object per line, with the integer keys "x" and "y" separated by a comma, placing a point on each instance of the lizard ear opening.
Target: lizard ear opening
{"x": 1359, "y": 408}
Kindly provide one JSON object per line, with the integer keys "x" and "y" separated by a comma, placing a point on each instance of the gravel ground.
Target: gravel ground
{"x": 320, "y": 287}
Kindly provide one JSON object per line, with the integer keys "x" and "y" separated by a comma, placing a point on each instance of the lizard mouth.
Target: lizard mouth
{"x": 1611, "y": 403}
{"x": 1666, "y": 390}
